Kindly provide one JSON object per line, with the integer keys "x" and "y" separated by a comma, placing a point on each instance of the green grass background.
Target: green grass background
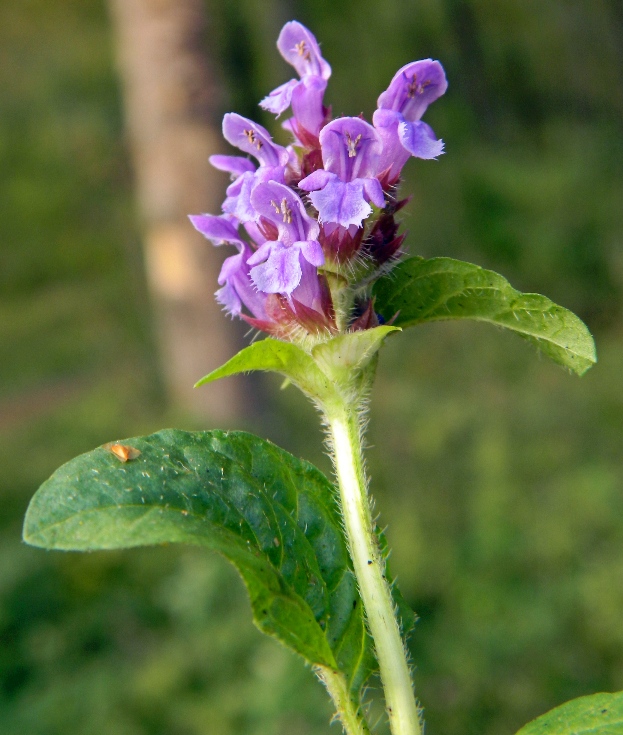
{"x": 498, "y": 475}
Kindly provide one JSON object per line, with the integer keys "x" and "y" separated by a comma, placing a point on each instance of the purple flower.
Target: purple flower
{"x": 234, "y": 165}
{"x": 299, "y": 48}
{"x": 238, "y": 201}
{"x": 400, "y": 108}
{"x": 254, "y": 139}
{"x": 276, "y": 281}
{"x": 237, "y": 287}
{"x": 289, "y": 264}
{"x": 341, "y": 192}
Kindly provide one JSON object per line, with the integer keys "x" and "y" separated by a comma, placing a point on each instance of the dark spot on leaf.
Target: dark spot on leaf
{"x": 369, "y": 562}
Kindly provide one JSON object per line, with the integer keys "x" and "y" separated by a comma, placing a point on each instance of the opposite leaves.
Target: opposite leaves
{"x": 273, "y": 516}
{"x": 420, "y": 290}
{"x": 329, "y": 365}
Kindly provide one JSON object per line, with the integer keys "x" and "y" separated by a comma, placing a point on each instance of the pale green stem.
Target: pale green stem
{"x": 348, "y": 711}
{"x": 369, "y": 566}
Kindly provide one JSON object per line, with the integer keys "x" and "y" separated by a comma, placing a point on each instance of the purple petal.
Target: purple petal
{"x": 316, "y": 180}
{"x": 413, "y": 88}
{"x": 394, "y": 155}
{"x": 279, "y": 99}
{"x": 233, "y": 266}
{"x": 351, "y": 148}
{"x": 298, "y": 47}
{"x": 309, "y": 111}
{"x": 309, "y": 292}
{"x": 284, "y": 208}
{"x": 342, "y": 203}
{"x": 228, "y": 297}
{"x": 254, "y": 139}
{"x": 419, "y": 139}
{"x": 374, "y": 191}
{"x": 311, "y": 251}
{"x": 235, "y": 165}
{"x": 238, "y": 289}
{"x": 281, "y": 273}
{"x": 238, "y": 202}
{"x": 263, "y": 252}
{"x": 217, "y": 229}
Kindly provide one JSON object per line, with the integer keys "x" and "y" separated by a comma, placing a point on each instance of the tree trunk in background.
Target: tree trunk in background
{"x": 171, "y": 102}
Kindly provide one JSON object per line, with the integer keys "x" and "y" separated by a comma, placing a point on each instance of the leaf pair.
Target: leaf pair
{"x": 271, "y": 515}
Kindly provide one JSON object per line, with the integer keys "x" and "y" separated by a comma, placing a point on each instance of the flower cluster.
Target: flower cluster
{"x": 313, "y": 222}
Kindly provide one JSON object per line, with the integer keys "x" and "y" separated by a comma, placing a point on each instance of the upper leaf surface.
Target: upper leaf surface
{"x": 420, "y": 290}
{"x": 272, "y": 515}
{"x": 279, "y": 357}
{"x": 596, "y": 714}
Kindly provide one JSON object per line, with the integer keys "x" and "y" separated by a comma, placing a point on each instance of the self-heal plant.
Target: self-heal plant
{"x": 320, "y": 267}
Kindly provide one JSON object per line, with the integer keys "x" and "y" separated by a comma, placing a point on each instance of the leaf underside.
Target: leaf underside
{"x": 420, "y": 290}
{"x": 596, "y": 714}
{"x": 271, "y": 515}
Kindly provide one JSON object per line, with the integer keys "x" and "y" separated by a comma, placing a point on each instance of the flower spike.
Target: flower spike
{"x": 314, "y": 223}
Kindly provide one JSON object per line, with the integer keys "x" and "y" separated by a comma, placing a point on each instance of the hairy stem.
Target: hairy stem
{"x": 348, "y": 711}
{"x": 369, "y": 565}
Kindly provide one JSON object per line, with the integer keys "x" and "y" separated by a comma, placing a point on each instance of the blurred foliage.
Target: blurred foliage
{"x": 499, "y": 476}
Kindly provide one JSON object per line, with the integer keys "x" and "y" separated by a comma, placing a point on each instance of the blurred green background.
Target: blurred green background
{"x": 498, "y": 475}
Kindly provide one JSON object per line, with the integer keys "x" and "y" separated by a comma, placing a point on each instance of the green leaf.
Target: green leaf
{"x": 280, "y": 357}
{"x": 596, "y": 714}
{"x": 273, "y": 516}
{"x": 332, "y": 365}
{"x": 420, "y": 290}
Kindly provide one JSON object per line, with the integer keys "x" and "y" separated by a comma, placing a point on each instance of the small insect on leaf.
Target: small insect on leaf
{"x": 123, "y": 452}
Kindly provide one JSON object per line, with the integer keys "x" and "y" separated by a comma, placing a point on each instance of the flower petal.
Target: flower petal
{"x": 419, "y": 139}
{"x": 254, "y": 139}
{"x": 394, "y": 155}
{"x": 374, "y": 191}
{"x": 299, "y": 47}
{"x": 309, "y": 111}
{"x": 316, "y": 180}
{"x": 309, "y": 291}
{"x": 280, "y": 205}
{"x": 279, "y": 99}
{"x": 229, "y": 299}
{"x": 235, "y": 165}
{"x": 351, "y": 148}
{"x": 238, "y": 202}
{"x": 262, "y": 253}
{"x": 311, "y": 251}
{"x": 342, "y": 202}
{"x": 237, "y": 288}
{"x": 413, "y": 88}
{"x": 217, "y": 229}
{"x": 280, "y": 273}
